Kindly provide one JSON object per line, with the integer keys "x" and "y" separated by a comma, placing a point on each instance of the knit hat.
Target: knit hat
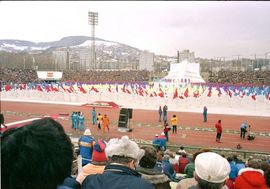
{"x": 99, "y": 152}
{"x": 124, "y": 147}
{"x": 87, "y": 132}
{"x": 211, "y": 167}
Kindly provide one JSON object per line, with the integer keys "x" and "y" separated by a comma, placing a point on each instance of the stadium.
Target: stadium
{"x": 86, "y": 112}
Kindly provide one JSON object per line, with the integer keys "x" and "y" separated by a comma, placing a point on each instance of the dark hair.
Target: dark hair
{"x": 37, "y": 155}
{"x": 208, "y": 185}
{"x": 219, "y": 121}
{"x": 254, "y": 163}
{"x": 184, "y": 155}
{"x": 229, "y": 159}
{"x": 150, "y": 157}
{"x": 120, "y": 159}
{"x": 266, "y": 168}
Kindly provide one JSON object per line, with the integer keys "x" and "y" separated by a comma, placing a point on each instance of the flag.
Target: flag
{"x": 22, "y": 86}
{"x": 124, "y": 89}
{"x": 55, "y": 89}
{"x": 128, "y": 91}
{"x": 253, "y": 96}
{"x": 94, "y": 89}
{"x": 181, "y": 97}
{"x": 229, "y": 93}
{"x": 146, "y": 92}
{"x": 109, "y": 89}
{"x": 219, "y": 92}
{"x": 82, "y": 89}
{"x": 196, "y": 94}
{"x": 243, "y": 94}
{"x": 175, "y": 94}
{"x": 161, "y": 93}
{"x": 141, "y": 92}
{"x": 47, "y": 88}
{"x": 186, "y": 93}
{"x": 71, "y": 89}
{"x": 8, "y": 87}
{"x": 39, "y": 88}
{"x": 209, "y": 92}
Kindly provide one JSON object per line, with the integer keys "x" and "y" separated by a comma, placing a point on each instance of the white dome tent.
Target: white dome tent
{"x": 184, "y": 72}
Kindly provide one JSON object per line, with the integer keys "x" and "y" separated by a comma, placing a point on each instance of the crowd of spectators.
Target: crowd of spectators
{"x": 105, "y": 76}
{"x": 240, "y": 77}
{"x": 16, "y": 75}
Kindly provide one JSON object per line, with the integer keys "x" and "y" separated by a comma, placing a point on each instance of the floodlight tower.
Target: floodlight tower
{"x": 93, "y": 21}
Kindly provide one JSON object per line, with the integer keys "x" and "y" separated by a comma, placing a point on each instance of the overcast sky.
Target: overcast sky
{"x": 210, "y": 29}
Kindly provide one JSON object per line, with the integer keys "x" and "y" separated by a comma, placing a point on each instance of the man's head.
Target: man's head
{"x": 150, "y": 157}
{"x": 123, "y": 151}
{"x": 37, "y": 155}
{"x": 211, "y": 170}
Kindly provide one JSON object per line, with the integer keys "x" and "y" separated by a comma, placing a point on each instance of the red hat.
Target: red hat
{"x": 99, "y": 152}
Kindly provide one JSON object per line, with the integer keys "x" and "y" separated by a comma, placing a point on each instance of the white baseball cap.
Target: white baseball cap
{"x": 212, "y": 167}
{"x": 124, "y": 147}
{"x": 87, "y": 132}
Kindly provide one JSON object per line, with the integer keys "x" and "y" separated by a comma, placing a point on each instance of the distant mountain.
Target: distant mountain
{"x": 12, "y": 45}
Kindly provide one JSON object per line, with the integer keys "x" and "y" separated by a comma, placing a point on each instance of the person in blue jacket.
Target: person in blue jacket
{"x": 81, "y": 121}
{"x": 162, "y": 141}
{"x": 168, "y": 169}
{"x": 156, "y": 141}
{"x": 86, "y": 143}
{"x": 94, "y": 116}
{"x": 234, "y": 170}
{"x": 120, "y": 173}
{"x": 72, "y": 120}
{"x": 204, "y": 114}
{"x": 160, "y": 113}
{"x": 75, "y": 118}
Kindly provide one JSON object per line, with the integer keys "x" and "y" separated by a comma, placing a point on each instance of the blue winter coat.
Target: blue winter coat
{"x": 162, "y": 143}
{"x": 168, "y": 170}
{"x": 156, "y": 142}
{"x": 116, "y": 177}
{"x": 86, "y": 148}
{"x": 234, "y": 170}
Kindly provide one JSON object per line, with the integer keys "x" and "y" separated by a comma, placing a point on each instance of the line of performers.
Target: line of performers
{"x": 77, "y": 120}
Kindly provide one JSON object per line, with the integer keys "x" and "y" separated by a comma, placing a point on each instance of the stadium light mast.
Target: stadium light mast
{"x": 93, "y": 21}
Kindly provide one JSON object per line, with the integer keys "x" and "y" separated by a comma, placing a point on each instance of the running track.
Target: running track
{"x": 145, "y": 125}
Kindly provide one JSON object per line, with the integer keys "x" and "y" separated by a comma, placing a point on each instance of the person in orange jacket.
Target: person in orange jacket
{"x": 105, "y": 123}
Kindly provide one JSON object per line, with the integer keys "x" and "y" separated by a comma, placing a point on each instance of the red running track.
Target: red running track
{"x": 145, "y": 124}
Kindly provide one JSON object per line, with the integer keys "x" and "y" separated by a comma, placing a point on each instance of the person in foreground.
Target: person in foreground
{"x": 37, "y": 155}
{"x": 207, "y": 174}
{"x": 148, "y": 172}
{"x": 120, "y": 173}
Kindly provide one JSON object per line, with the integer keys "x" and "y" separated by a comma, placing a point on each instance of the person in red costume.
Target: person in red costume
{"x": 251, "y": 177}
{"x": 219, "y": 130}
